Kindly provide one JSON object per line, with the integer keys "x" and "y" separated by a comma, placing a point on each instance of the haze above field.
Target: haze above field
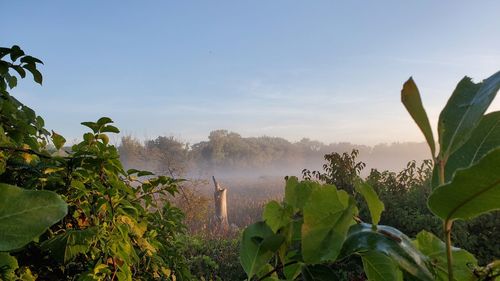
{"x": 322, "y": 70}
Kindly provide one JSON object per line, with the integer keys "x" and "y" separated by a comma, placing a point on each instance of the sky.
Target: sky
{"x": 326, "y": 70}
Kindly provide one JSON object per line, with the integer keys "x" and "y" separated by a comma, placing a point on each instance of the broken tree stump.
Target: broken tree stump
{"x": 220, "y": 199}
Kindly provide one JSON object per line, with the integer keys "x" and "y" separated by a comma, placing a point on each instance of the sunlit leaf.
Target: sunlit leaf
{"x": 375, "y": 205}
{"x": 58, "y": 140}
{"x": 463, "y": 112}
{"x": 66, "y": 246}
{"x": 277, "y": 216}
{"x": 326, "y": 221}
{"x": 473, "y": 191}
{"x": 25, "y": 214}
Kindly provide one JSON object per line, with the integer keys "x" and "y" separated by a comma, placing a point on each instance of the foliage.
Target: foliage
{"x": 340, "y": 170}
{"x": 117, "y": 226}
{"x": 213, "y": 258}
{"x": 316, "y": 225}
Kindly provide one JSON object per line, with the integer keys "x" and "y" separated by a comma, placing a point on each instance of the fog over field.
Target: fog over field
{"x": 228, "y": 155}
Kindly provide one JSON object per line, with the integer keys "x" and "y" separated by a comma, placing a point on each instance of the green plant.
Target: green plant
{"x": 316, "y": 227}
{"x": 75, "y": 213}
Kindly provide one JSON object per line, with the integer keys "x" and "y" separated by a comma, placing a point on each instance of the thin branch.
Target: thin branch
{"x": 276, "y": 269}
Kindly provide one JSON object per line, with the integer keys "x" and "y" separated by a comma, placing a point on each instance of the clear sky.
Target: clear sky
{"x": 326, "y": 70}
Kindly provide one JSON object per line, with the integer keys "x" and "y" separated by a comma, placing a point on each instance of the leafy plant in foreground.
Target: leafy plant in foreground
{"x": 76, "y": 214}
{"x": 316, "y": 226}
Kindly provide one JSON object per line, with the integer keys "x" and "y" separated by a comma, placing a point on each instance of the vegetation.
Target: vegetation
{"x": 317, "y": 227}
{"x": 76, "y": 213}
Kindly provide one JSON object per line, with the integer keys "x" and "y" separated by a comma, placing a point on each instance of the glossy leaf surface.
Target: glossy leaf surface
{"x": 391, "y": 242}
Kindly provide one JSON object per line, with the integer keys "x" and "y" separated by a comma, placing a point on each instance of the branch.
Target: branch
{"x": 25, "y": 150}
{"x": 276, "y": 269}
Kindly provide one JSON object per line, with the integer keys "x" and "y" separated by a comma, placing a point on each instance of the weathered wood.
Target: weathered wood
{"x": 220, "y": 199}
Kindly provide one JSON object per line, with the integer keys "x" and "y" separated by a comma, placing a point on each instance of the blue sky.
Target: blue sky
{"x": 326, "y": 70}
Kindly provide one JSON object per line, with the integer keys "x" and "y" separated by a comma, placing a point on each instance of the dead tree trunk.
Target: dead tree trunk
{"x": 220, "y": 205}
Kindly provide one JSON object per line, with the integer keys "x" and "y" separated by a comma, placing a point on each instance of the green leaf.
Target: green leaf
{"x": 375, "y": 205}
{"x": 389, "y": 241}
{"x": 58, "y": 140}
{"x": 37, "y": 76}
{"x": 296, "y": 194}
{"x": 473, "y": 191}
{"x": 93, "y": 126}
{"x": 30, "y": 60}
{"x": 435, "y": 249}
{"x": 484, "y": 138}
{"x": 326, "y": 222}
{"x": 463, "y": 112}
{"x": 292, "y": 271}
{"x": 380, "y": 267}
{"x": 277, "y": 216}
{"x": 19, "y": 70}
{"x": 410, "y": 97}
{"x": 65, "y": 247}
{"x": 253, "y": 256}
{"x": 103, "y": 121}
{"x": 16, "y": 52}
{"x": 110, "y": 129}
{"x": 8, "y": 266}
{"x": 25, "y": 214}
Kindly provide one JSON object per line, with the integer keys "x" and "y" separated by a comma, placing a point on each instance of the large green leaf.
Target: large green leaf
{"x": 297, "y": 193}
{"x": 410, "y": 97}
{"x": 66, "y": 246}
{"x": 484, "y": 138}
{"x": 257, "y": 244}
{"x": 390, "y": 242}
{"x": 327, "y": 217}
{"x": 276, "y": 215}
{"x": 375, "y": 205}
{"x": 463, "y": 111}
{"x": 472, "y": 191}
{"x": 25, "y": 214}
{"x": 435, "y": 249}
{"x": 380, "y": 267}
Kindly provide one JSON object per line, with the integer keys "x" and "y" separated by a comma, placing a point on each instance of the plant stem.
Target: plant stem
{"x": 447, "y": 225}
{"x": 447, "y": 231}
{"x": 276, "y": 269}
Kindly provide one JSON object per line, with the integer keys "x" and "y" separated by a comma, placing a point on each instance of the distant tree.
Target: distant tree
{"x": 169, "y": 155}
{"x": 340, "y": 170}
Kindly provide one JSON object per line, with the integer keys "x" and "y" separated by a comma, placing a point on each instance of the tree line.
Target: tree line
{"x": 228, "y": 154}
